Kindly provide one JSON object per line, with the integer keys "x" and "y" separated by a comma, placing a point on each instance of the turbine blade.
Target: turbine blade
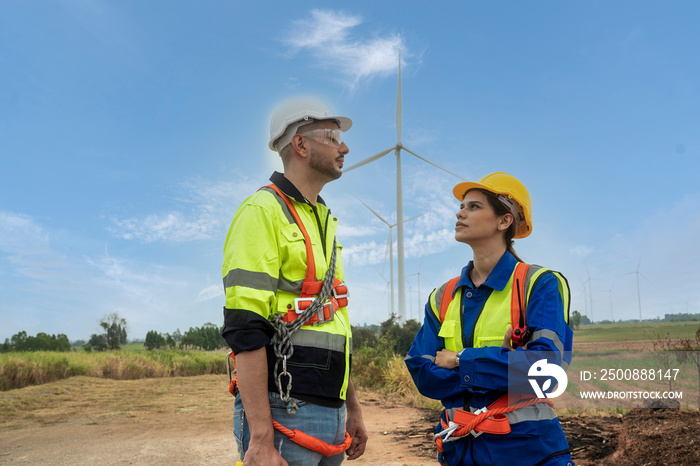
{"x": 372, "y": 210}
{"x": 399, "y": 108}
{"x": 371, "y": 159}
{"x": 434, "y": 164}
{"x": 414, "y": 217}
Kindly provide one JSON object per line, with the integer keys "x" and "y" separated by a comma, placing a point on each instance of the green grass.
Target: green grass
{"x": 19, "y": 370}
{"x": 630, "y": 332}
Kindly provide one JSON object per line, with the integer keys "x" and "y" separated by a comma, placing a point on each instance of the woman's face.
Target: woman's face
{"x": 476, "y": 219}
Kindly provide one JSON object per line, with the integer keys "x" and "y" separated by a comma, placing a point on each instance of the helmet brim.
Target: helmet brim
{"x": 460, "y": 190}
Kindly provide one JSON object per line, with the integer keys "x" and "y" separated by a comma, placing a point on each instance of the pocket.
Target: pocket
{"x": 292, "y": 252}
{"x": 447, "y": 329}
{"x": 277, "y": 403}
{"x": 482, "y": 342}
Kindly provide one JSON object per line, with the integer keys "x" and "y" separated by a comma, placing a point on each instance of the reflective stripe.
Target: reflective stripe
{"x": 531, "y": 271}
{"x": 322, "y": 340}
{"x": 256, "y": 280}
{"x": 538, "y": 412}
{"x": 283, "y": 205}
{"x": 426, "y": 356}
{"x": 438, "y": 296}
{"x": 550, "y": 335}
{"x": 290, "y": 286}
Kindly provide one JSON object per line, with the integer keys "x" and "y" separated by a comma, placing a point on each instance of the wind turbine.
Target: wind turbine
{"x": 397, "y": 148}
{"x": 390, "y": 243}
{"x": 639, "y": 296}
{"x": 611, "y": 294}
{"x": 590, "y": 292}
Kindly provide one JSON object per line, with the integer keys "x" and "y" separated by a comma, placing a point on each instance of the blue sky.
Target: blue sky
{"x": 130, "y": 131}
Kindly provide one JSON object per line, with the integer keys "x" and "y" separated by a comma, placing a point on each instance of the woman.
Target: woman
{"x": 464, "y": 351}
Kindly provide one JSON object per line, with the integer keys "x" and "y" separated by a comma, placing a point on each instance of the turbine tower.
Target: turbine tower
{"x": 397, "y": 148}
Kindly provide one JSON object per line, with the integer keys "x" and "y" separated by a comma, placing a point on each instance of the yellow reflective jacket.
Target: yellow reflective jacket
{"x": 495, "y": 316}
{"x": 263, "y": 271}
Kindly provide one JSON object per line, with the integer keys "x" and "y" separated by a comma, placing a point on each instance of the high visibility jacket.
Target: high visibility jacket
{"x": 475, "y": 322}
{"x": 495, "y": 316}
{"x": 264, "y": 267}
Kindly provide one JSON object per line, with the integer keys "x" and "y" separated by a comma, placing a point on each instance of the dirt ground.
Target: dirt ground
{"x": 187, "y": 420}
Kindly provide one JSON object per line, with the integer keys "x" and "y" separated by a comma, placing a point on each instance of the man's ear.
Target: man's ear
{"x": 300, "y": 145}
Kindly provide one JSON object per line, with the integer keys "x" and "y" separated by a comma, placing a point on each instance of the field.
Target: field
{"x": 173, "y": 408}
{"x": 635, "y": 332}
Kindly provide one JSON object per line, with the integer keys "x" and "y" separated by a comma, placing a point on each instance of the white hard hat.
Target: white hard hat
{"x": 293, "y": 113}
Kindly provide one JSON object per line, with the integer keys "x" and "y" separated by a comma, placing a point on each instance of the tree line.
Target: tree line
{"x": 114, "y": 335}
{"x": 41, "y": 342}
{"x": 207, "y": 337}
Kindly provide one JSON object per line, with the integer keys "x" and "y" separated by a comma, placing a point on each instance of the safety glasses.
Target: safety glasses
{"x": 333, "y": 137}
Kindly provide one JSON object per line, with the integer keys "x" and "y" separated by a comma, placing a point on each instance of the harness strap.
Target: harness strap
{"x": 313, "y": 443}
{"x": 447, "y": 297}
{"x": 310, "y": 263}
{"x": 296, "y": 436}
{"x": 491, "y": 420}
{"x": 311, "y": 286}
{"x": 521, "y": 334}
{"x": 518, "y": 310}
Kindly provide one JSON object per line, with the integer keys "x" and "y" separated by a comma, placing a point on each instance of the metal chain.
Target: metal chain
{"x": 282, "y": 339}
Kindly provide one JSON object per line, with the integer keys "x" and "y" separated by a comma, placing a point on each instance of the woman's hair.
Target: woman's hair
{"x": 500, "y": 209}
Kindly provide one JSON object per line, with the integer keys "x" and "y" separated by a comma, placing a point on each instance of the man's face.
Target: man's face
{"x": 325, "y": 158}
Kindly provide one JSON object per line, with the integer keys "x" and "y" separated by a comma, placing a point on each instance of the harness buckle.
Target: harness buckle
{"x": 337, "y": 295}
{"x": 478, "y": 411}
{"x": 297, "y": 309}
{"x": 322, "y": 313}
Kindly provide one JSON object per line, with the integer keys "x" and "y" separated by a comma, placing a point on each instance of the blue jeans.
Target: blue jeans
{"x": 327, "y": 424}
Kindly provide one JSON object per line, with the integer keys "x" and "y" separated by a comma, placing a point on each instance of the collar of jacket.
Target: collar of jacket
{"x": 497, "y": 279}
{"x": 288, "y": 188}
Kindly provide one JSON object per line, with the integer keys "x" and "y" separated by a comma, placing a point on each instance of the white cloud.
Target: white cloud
{"x": 208, "y": 208}
{"x": 326, "y": 34}
{"x": 323, "y": 27}
{"x": 19, "y": 234}
{"x": 352, "y": 231}
{"x": 581, "y": 251}
{"x": 170, "y": 227}
{"x": 210, "y": 292}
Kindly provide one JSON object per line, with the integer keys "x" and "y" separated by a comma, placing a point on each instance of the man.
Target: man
{"x": 280, "y": 255}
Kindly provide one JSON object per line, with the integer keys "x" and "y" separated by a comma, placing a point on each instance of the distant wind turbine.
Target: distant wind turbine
{"x": 639, "y": 295}
{"x": 397, "y": 148}
{"x": 390, "y": 244}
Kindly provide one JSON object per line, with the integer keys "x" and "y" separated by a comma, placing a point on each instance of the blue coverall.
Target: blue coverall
{"x": 482, "y": 375}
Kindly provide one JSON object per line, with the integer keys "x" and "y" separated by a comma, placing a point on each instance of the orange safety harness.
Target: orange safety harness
{"x": 491, "y": 419}
{"x": 295, "y": 435}
{"x": 521, "y": 334}
{"x": 310, "y": 287}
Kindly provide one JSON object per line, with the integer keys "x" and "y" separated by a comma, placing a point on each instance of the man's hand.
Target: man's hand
{"x": 354, "y": 425}
{"x": 259, "y": 455}
{"x": 252, "y": 383}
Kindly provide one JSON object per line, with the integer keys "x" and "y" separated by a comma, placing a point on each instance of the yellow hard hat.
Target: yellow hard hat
{"x": 509, "y": 188}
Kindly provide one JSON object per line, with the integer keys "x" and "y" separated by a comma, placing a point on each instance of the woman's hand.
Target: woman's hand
{"x": 446, "y": 359}
{"x": 506, "y": 340}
